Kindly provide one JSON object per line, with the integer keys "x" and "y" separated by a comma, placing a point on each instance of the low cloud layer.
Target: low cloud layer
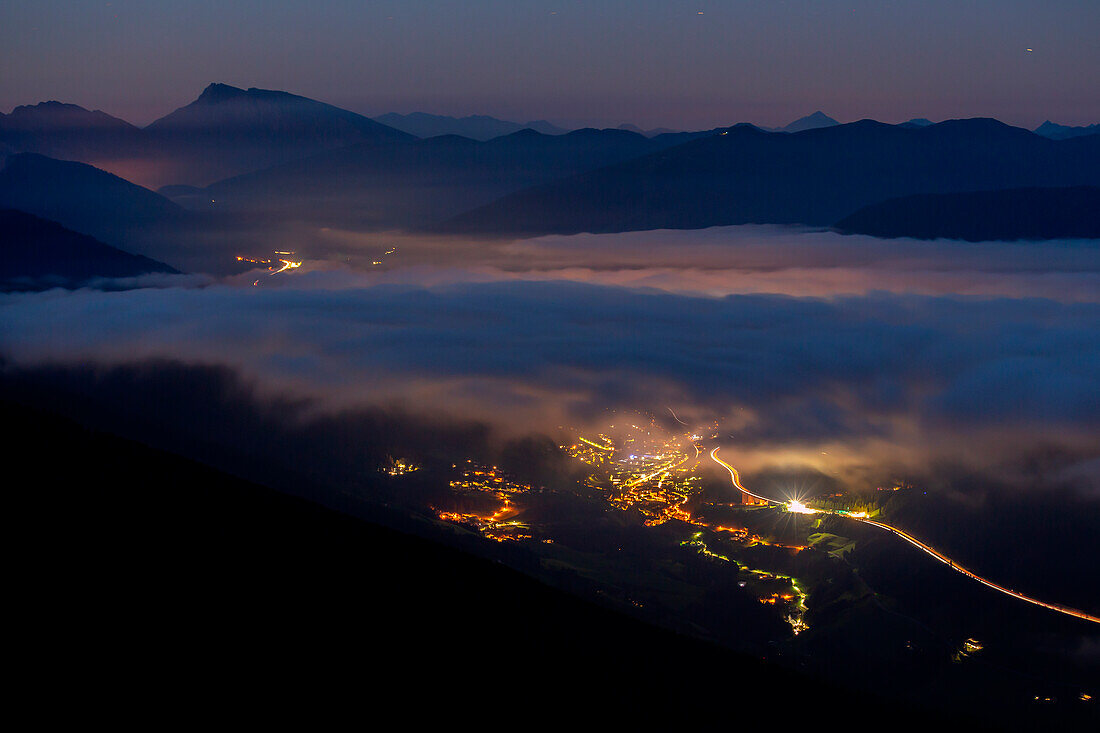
{"x": 721, "y": 261}
{"x": 848, "y": 385}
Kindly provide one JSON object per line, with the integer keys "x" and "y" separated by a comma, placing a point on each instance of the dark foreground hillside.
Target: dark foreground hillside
{"x": 1024, "y": 213}
{"x": 142, "y": 577}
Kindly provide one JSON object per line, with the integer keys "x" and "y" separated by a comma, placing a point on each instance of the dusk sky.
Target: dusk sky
{"x": 603, "y": 62}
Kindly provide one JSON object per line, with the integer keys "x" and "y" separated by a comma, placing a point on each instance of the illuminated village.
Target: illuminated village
{"x": 660, "y": 476}
{"x": 488, "y": 485}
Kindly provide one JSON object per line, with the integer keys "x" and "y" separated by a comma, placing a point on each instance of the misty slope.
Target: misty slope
{"x": 427, "y": 180}
{"x": 36, "y": 253}
{"x": 1027, "y": 213}
{"x": 475, "y": 127}
{"x": 815, "y": 177}
{"x": 81, "y": 197}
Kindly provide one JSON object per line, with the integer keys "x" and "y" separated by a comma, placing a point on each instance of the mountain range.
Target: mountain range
{"x": 282, "y": 156}
{"x": 409, "y": 185}
{"x": 475, "y": 127}
{"x": 1061, "y": 132}
{"x": 648, "y": 133}
{"x": 815, "y": 177}
{"x": 227, "y": 131}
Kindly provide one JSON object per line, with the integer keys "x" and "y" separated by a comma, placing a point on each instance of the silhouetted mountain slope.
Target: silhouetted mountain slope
{"x": 428, "y": 180}
{"x": 81, "y": 197}
{"x": 475, "y": 127}
{"x": 1025, "y": 213}
{"x": 1063, "y": 132}
{"x": 36, "y": 253}
{"x": 226, "y": 131}
{"x": 815, "y": 177}
{"x": 172, "y": 569}
{"x": 68, "y": 131}
{"x": 229, "y": 130}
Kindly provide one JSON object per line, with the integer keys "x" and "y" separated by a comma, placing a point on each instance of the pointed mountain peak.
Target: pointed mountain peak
{"x": 215, "y": 93}
{"x": 811, "y": 122}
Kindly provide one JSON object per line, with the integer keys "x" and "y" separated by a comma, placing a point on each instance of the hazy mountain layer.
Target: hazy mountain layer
{"x": 1063, "y": 132}
{"x": 414, "y": 184}
{"x": 475, "y": 127}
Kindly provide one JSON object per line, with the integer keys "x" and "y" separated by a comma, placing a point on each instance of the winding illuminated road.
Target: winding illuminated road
{"x": 916, "y": 543}
{"x": 737, "y": 479}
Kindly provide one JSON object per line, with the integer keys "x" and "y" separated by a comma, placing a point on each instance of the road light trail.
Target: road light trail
{"x": 959, "y": 568}
{"x": 597, "y": 445}
{"x": 287, "y": 265}
{"x": 916, "y": 543}
{"x": 737, "y": 479}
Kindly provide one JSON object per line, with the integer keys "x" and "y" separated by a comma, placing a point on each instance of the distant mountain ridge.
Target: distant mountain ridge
{"x": 815, "y": 177}
{"x": 648, "y": 133}
{"x": 272, "y": 152}
{"x": 68, "y": 132}
{"x": 475, "y": 127}
{"x": 1063, "y": 132}
{"x": 427, "y": 180}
